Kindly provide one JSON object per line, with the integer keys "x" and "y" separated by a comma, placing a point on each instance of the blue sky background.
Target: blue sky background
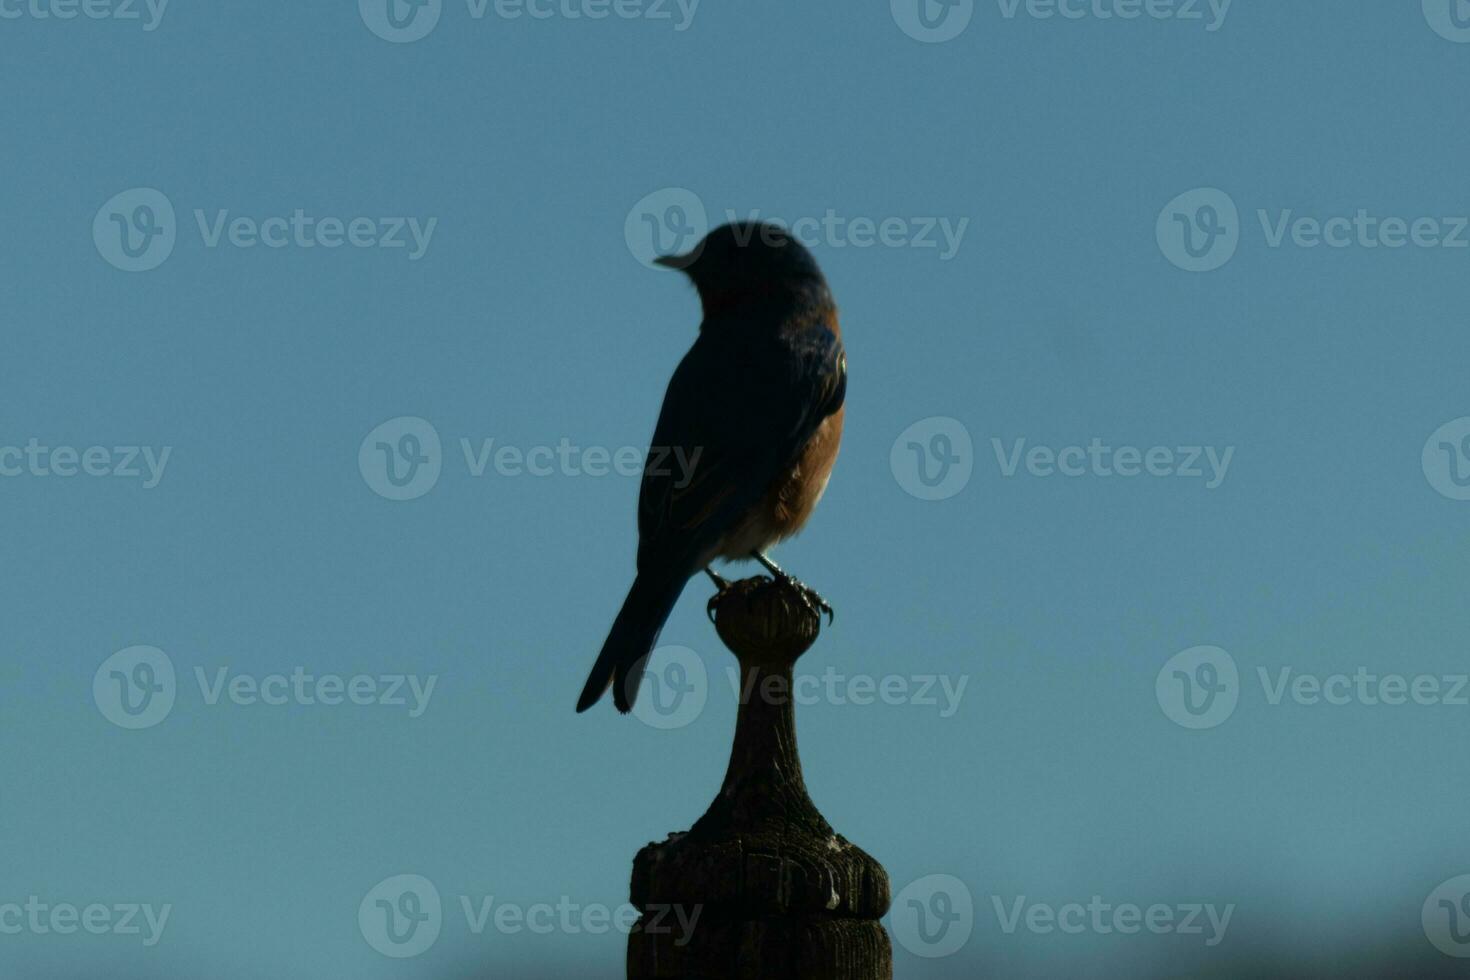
{"x": 529, "y": 319}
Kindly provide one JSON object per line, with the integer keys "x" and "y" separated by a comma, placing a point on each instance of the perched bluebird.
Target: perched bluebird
{"x": 759, "y": 399}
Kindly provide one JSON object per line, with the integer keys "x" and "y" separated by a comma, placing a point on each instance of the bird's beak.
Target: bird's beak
{"x": 680, "y": 262}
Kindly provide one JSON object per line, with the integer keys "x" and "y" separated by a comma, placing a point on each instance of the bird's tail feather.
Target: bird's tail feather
{"x": 630, "y": 641}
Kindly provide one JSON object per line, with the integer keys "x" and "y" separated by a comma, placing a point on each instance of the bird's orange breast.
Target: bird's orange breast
{"x": 791, "y": 497}
{"x": 794, "y": 494}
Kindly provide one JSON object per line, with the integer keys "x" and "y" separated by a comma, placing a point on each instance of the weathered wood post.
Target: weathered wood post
{"x": 780, "y": 894}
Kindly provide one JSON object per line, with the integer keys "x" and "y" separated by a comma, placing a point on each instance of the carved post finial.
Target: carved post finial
{"x": 779, "y": 894}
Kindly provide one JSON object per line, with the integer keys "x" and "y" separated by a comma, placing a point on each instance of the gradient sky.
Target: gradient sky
{"x": 528, "y": 319}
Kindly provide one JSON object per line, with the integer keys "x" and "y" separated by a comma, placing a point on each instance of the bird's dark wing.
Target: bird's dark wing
{"x": 746, "y": 408}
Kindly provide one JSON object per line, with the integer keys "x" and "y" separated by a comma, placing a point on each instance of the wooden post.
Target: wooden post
{"x": 778, "y": 893}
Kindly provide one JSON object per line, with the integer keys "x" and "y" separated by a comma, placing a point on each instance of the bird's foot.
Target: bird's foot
{"x": 722, "y": 585}
{"x": 810, "y": 597}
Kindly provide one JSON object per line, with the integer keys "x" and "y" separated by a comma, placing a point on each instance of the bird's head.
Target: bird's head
{"x": 751, "y": 264}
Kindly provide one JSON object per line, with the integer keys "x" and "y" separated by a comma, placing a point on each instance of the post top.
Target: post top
{"x": 765, "y": 621}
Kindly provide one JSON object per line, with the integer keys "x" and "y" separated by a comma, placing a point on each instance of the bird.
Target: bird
{"x": 760, "y": 397}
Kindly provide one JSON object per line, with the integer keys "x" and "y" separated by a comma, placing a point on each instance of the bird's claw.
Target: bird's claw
{"x": 722, "y": 585}
{"x": 810, "y": 598}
